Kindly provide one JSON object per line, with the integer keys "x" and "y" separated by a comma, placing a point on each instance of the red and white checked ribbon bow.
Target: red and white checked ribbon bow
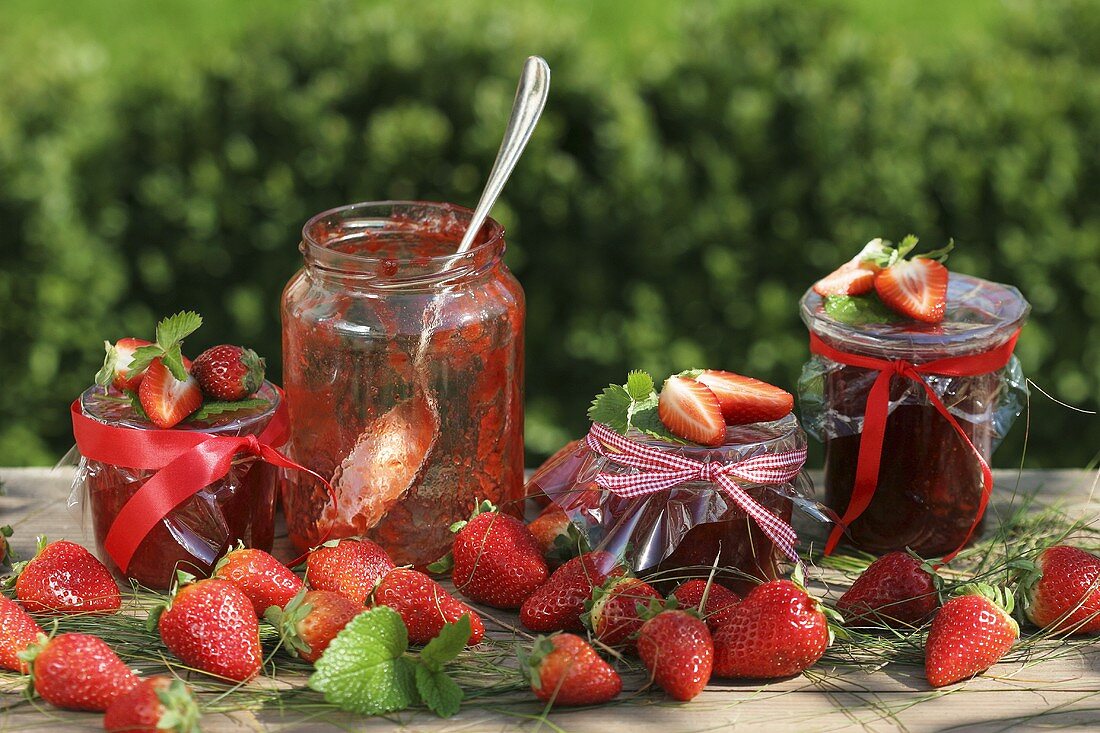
{"x": 660, "y": 470}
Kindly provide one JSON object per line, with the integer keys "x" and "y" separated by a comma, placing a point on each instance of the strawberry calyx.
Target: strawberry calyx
{"x": 447, "y": 562}
{"x": 530, "y": 662}
{"x": 998, "y": 595}
{"x": 182, "y": 579}
{"x": 181, "y": 713}
{"x": 224, "y": 559}
{"x": 286, "y": 620}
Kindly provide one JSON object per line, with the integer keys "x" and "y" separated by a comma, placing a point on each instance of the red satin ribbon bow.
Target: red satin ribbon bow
{"x": 660, "y": 470}
{"x": 185, "y": 462}
{"x": 875, "y": 414}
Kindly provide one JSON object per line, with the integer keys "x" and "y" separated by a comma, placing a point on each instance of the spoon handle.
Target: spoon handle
{"x": 534, "y": 86}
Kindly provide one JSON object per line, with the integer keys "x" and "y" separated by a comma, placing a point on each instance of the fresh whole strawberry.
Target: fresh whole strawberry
{"x": 559, "y": 603}
{"x": 166, "y": 400}
{"x": 311, "y": 620}
{"x": 17, "y": 632}
{"x": 1064, "y": 593}
{"x": 496, "y": 560}
{"x": 676, "y": 647}
{"x": 746, "y": 400}
{"x": 557, "y": 537}
{"x": 156, "y": 705}
{"x": 857, "y": 275}
{"x": 969, "y": 635}
{"x": 898, "y": 589}
{"x": 78, "y": 672}
{"x": 721, "y": 602}
{"x": 65, "y": 578}
{"x": 778, "y": 630}
{"x": 116, "y": 365}
{"x": 613, "y": 612}
{"x": 349, "y": 567}
{"x": 229, "y": 372}
{"x": 424, "y": 605}
{"x": 211, "y": 625}
{"x": 565, "y": 670}
{"x": 690, "y": 410}
{"x": 265, "y": 580}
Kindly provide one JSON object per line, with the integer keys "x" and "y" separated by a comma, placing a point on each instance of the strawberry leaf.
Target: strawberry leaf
{"x": 639, "y": 385}
{"x": 210, "y": 409}
{"x": 174, "y": 329}
{"x": 143, "y": 357}
{"x": 364, "y": 670}
{"x": 645, "y": 418}
{"x": 173, "y": 359}
{"x": 612, "y": 408}
{"x": 438, "y": 691}
{"x": 859, "y": 310}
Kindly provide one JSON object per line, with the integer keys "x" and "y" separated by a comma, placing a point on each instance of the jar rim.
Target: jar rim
{"x": 742, "y": 441}
{"x": 229, "y": 423}
{"x": 376, "y": 213}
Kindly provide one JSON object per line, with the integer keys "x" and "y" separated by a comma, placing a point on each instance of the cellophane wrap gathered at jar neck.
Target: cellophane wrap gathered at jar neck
{"x": 403, "y": 368}
{"x": 981, "y": 315}
{"x": 237, "y": 508}
{"x": 649, "y": 531}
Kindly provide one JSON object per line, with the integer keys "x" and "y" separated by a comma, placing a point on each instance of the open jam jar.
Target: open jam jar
{"x": 237, "y": 508}
{"x": 929, "y": 491}
{"x": 403, "y": 368}
{"x": 679, "y": 532}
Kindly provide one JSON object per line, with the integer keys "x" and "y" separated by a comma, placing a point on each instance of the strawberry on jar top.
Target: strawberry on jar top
{"x": 898, "y": 310}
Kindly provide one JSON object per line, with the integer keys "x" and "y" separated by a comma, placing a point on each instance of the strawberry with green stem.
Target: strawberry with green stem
{"x": 559, "y": 603}
{"x": 156, "y": 705}
{"x": 117, "y": 369}
{"x": 899, "y": 590}
{"x": 677, "y": 649}
{"x": 351, "y": 567}
{"x": 311, "y": 620}
{"x": 424, "y": 605}
{"x": 265, "y": 580}
{"x": 228, "y": 372}
{"x": 65, "y": 578}
{"x": 557, "y": 537}
{"x": 17, "y": 632}
{"x": 971, "y": 633}
{"x": 715, "y": 603}
{"x": 77, "y": 672}
{"x": 1062, "y": 592}
{"x": 564, "y": 669}
{"x": 615, "y": 612}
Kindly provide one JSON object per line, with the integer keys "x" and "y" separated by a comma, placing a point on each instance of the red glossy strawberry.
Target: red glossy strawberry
{"x": 65, "y": 578}
{"x": 676, "y": 647}
{"x": 559, "y": 603}
{"x": 156, "y": 705}
{"x": 744, "y": 399}
{"x": 78, "y": 672}
{"x": 17, "y": 632}
{"x": 349, "y": 567}
{"x": 229, "y": 372}
{"x": 211, "y": 625}
{"x": 915, "y": 288}
{"x": 613, "y": 611}
{"x": 778, "y": 630}
{"x": 898, "y": 589}
{"x": 556, "y": 536}
{"x": 565, "y": 670}
{"x": 496, "y": 560}
{"x": 721, "y": 602}
{"x": 116, "y": 365}
{"x": 425, "y": 606}
{"x": 167, "y": 400}
{"x": 857, "y": 275}
{"x": 265, "y": 580}
{"x": 690, "y": 410}
{"x": 969, "y": 635}
{"x": 1064, "y": 593}
{"x": 311, "y": 620}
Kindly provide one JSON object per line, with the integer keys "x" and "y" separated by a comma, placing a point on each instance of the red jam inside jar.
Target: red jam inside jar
{"x": 403, "y": 368}
{"x": 237, "y": 508}
{"x": 678, "y": 533}
{"x": 929, "y": 483}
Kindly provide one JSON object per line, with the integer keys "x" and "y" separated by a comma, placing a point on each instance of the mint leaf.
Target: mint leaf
{"x": 438, "y": 691}
{"x": 364, "y": 670}
{"x": 210, "y": 409}
{"x": 446, "y": 646}
{"x": 639, "y": 385}
{"x": 174, "y": 329}
{"x": 612, "y": 408}
{"x": 859, "y": 310}
{"x": 106, "y": 373}
{"x": 646, "y": 419}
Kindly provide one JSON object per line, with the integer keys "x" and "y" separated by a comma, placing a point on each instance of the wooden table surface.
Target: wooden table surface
{"x": 1066, "y": 689}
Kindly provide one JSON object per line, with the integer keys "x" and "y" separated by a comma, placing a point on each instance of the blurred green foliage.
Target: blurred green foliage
{"x": 665, "y": 218}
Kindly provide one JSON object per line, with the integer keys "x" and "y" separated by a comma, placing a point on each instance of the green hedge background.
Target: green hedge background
{"x": 680, "y": 194}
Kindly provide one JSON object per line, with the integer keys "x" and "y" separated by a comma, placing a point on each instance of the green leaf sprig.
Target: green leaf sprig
{"x": 632, "y": 405}
{"x": 171, "y": 332}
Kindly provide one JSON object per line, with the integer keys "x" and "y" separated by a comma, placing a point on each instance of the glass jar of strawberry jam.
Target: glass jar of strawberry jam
{"x": 929, "y": 491}
{"x": 191, "y": 537}
{"x": 679, "y": 532}
{"x": 403, "y": 368}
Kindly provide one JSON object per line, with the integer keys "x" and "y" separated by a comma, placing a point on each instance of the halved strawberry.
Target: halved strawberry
{"x": 165, "y": 399}
{"x": 857, "y": 275}
{"x": 690, "y": 410}
{"x": 915, "y": 288}
{"x": 116, "y": 365}
{"x": 744, "y": 399}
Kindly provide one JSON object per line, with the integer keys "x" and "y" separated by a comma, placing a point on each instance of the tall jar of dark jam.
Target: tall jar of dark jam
{"x": 929, "y": 488}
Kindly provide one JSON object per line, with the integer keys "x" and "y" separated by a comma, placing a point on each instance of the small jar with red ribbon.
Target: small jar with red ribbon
{"x": 676, "y": 510}
{"x": 166, "y": 499}
{"x": 910, "y": 413}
